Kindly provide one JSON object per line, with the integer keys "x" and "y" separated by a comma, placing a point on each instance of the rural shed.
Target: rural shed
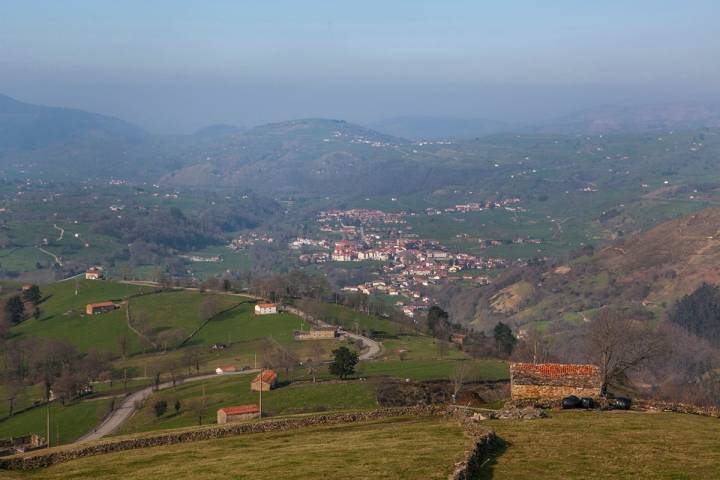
{"x": 237, "y": 414}
{"x": 265, "y": 381}
{"x": 553, "y": 381}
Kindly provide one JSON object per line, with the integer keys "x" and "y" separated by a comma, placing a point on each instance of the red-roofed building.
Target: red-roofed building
{"x": 101, "y": 307}
{"x": 237, "y": 414}
{"x": 265, "y": 381}
{"x": 265, "y": 309}
{"x": 553, "y": 381}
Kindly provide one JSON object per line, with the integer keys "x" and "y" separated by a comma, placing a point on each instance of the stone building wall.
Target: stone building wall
{"x": 550, "y": 392}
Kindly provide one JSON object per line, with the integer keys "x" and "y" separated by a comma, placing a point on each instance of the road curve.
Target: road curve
{"x": 372, "y": 348}
{"x": 121, "y": 414}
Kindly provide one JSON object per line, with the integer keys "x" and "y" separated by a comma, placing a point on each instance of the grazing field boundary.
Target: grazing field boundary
{"x": 482, "y": 438}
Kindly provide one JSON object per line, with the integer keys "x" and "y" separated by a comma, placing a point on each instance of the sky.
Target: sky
{"x": 174, "y": 66}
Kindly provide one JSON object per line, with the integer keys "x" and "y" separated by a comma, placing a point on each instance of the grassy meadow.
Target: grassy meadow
{"x": 226, "y": 391}
{"x": 410, "y": 448}
{"x": 607, "y": 445}
{"x": 67, "y": 423}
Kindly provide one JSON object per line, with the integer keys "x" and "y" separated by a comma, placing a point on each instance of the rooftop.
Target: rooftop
{"x": 240, "y": 409}
{"x": 554, "y": 370}
{"x": 267, "y": 376}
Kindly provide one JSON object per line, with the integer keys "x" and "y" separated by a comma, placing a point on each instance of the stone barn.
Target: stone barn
{"x": 265, "y": 381}
{"x": 237, "y": 414}
{"x": 554, "y": 381}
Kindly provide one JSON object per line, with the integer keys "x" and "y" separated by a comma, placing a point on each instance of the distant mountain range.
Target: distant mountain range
{"x": 25, "y": 127}
{"x": 310, "y": 155}
{"x": 594, "y": 121}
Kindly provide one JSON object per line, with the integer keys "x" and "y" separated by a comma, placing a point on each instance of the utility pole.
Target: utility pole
{"x": 47, "y": 425}
{"x": 261, "y": 389}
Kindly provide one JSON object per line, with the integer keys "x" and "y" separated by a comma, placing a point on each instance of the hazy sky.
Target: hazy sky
{"x": 175, "y": 65}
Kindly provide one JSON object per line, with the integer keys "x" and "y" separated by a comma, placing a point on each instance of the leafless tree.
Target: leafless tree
{"x": 198, "y": 407}
{"x": 209, "y": 307}
{"x": 619, "y": 344}
{"x": 459, "y": 377}
{"x": 192, "y": 357}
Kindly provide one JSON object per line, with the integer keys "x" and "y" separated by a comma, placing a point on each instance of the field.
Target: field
{"x": 396, "y": 448}
{"x": 227, "y": 391}
{"x": 67, "y": 423}
{"x": 63, "y": 315}
{"x": 607, "y": 445}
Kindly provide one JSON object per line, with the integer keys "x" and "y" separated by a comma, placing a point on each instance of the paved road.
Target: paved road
{"x": 372, "y": 347}
{"x": 120, "y": 415}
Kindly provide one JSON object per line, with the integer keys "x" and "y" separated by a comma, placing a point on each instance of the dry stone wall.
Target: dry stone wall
{"x": 550, "y": 392}
{"x": 50, "y": 457}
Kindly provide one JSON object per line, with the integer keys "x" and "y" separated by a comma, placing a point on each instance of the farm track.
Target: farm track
{"x": 127, "y": 408}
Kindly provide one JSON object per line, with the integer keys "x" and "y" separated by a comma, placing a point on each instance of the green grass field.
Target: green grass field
{"x": 182, "y": 310}
{"x": 63, "y": 315}
{"x": 67, "y": 423}
{"x": 407, "y": 448}
{"x": 607, "y": 445}
{"x": 225, "y": 391}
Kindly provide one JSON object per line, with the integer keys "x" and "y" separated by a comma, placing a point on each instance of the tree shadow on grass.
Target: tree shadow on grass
{"x": 486, "y": 471}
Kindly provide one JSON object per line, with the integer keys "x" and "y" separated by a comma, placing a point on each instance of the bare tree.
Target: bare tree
{"x": 620, "y": 345}
{"x": 459, "y": 377}
{"x": 198, "y": 407}
{"x": 209, "y": 307}
{"x": 192, "y": 357}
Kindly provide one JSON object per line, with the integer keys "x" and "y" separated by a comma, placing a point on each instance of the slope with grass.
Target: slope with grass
{"x": 63, "y": 315}
{"x": 411, "y": 448}
{"x": 225, "y": 391}
{"x": 67, "y": 422}
{"x": 606, "y": 445}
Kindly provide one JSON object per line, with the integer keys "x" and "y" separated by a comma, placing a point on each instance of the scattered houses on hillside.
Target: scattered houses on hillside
{"x": 100, "y": 307}
{"x": 266, "y": 309}
{"x": 239, "y": 413}
{"x": 265, "y": 381}
{"x": 318, "y": 333}
{"x": 554, "y": 381}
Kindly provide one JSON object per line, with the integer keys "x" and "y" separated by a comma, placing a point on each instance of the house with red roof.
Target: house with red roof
{"x": 239, "y": 413}
{"x": 266, "y": 309}
{"x": 554, "y": 381}
{"x": 100, "y": 307}
{"x": 265, "y": 381}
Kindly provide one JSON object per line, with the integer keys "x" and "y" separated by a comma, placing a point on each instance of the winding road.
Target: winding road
{"x": 121, "y": 414}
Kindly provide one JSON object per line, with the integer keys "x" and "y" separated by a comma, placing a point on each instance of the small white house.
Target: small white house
{"x": 265, "y": 309}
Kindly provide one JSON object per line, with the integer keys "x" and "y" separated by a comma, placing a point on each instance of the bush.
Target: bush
{"x": 160, "y": 408}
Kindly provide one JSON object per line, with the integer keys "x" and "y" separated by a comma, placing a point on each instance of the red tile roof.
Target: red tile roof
{"x": 555, "y": 370}
{"x": 267, "y": 376}
{"x": 101, "y": 304}
{"x": 240, "y": 410}
{"x": 267, "y": 305}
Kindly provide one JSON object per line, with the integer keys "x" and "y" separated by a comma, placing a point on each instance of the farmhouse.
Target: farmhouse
{"x": 265, "y": 381}
{"x": 265, "y": 309}
{"x": 98, "y": 308}
{"x": 318, "y": 333}
{"x": 458, "y": 338}
{"x": 237, "y": 414}
{"x": 553, "y": 381}
{"x": 94, "y": 273}
{"x": 226, "y": 369}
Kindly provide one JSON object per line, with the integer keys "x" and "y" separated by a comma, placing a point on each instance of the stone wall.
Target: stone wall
{"x": 56, "y": 455}
{"x": 550, "y": 392}
{"x": 677, "y": 408}
{"x": 481, "y": 449}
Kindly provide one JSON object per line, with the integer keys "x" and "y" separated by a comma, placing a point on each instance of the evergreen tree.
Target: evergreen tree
{"x": 15, "y": 309}
{"x": 504, "y": 339}
{"x": 343, "y": 365}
